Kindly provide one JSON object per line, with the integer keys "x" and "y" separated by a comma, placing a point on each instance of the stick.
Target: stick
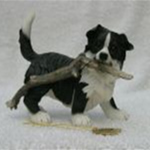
{"x": 63, "y": 73}
{"x": 64, "y": 125}
{"x": 52, "y": 77}
{"x": 94, "y": 130}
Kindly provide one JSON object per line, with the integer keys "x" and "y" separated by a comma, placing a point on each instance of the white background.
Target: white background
{"x": 61, "y": 26}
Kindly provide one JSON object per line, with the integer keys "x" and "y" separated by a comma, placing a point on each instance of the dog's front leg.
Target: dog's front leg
{"x": 111, "y": 110}
{"x": 78, "y": 107}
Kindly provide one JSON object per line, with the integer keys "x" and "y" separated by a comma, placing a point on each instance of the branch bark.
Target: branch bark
{"x": 63, "y": 73}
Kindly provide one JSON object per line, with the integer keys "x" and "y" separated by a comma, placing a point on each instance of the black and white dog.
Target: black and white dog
{"x": 92, "y": 88}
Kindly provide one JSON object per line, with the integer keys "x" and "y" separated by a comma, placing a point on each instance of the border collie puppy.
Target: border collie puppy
{"x": 92, "y": 88}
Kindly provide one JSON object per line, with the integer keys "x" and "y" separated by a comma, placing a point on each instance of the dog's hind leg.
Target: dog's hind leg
{"x": 31, "y": 100}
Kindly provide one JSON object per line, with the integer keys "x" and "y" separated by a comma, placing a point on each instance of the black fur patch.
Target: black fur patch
{"x": 80, "y": 100}
{"x": 47, "y": 63}
{"x": 113, "y": 104}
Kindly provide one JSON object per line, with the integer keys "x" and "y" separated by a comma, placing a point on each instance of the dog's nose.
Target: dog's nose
{"x": 103, "y": 56}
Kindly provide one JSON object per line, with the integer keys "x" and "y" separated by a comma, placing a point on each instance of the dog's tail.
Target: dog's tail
{"x": 24, "y": 39}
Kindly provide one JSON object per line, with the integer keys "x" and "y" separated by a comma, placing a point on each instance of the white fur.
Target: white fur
{"x": 26, "y": 28}
{"x": 100, "y": 87}
{"x": 107, "y": 41}
{"x": 41, "y": 117}
{"x": 105, "y": 50}
{"x": 112, "y": 113}
{"x": 81, "y": 120}
{"x": 90, "y": 55}
{"x": 51, "y": 94}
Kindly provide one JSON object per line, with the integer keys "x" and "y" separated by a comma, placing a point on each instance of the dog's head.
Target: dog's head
{"x": 107, "y": 47}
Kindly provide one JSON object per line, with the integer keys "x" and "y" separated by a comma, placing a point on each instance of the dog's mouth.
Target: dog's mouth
{"x": 106, "y": 63}
{"x": 103, "y": 62}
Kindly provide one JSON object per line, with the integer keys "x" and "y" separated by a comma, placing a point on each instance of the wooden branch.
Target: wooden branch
{"x": 94, "y": 130}
{"x": 63, "y": 73}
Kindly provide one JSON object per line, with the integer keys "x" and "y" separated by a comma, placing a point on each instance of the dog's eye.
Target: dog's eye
{"x": 114, "y": 48}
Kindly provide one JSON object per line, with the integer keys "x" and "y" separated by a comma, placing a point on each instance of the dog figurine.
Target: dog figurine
{"x": 81, "y": 94}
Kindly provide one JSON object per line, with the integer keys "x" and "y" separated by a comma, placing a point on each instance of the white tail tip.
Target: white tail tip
{"x": 26, "y": 28}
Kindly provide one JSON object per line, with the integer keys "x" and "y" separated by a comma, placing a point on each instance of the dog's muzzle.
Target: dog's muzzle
{"x": 104, "y": 58}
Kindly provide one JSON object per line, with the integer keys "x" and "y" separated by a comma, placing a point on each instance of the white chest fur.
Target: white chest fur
{"x": 100, "y": 87}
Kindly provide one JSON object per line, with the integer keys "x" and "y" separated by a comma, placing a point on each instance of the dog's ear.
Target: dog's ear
{"x": 126, "y": 44}
{"x": 94, "y": 32}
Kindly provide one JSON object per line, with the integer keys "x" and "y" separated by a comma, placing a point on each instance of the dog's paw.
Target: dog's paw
{"x": 118, "y": 115}
{"x": 81, "y": 120}
{"x": 41, "y": 117}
